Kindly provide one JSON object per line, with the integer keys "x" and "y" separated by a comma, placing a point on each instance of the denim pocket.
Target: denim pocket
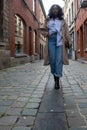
{"x": 53, "y": 38}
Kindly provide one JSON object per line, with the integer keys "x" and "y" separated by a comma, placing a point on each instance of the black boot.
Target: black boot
{"x": 56, "y": 79}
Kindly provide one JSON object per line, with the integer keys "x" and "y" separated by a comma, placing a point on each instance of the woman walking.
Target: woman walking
{"x": 58, "y": 42}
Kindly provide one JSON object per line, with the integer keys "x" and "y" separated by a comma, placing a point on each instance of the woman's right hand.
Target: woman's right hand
{"x": 48, "y": 35}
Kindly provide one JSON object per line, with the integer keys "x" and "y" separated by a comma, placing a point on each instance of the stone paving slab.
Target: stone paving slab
{"x": 72, "y": 113}
{"x": 3, "y": 109}
{"x": 26, "y": 121}
{"x": 84, "y": 111}
{"x": 76, "y": 121}
{"x": 8, "y": 120}
{"x": 17, "y": 104}
{"x": 14, "y": 111}
{"x": 78, "y": 129}
{"x": 50, "y": 121}
{"x": 5, "y": 127}
{"x": 32, "y": 105}
{"x": 29, "y": 112}
{"x": 21, "y": 128}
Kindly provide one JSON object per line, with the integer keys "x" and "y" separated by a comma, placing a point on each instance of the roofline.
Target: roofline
{"x": 41, "y": 3}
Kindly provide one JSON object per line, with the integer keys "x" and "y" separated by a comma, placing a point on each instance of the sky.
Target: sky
{"x": 47, "y": 4}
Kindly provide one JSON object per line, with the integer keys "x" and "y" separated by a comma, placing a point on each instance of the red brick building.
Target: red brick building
{"x": 24, "y": 23}
{"x": 81, "y": 31}
{"x": 20, "y": 40}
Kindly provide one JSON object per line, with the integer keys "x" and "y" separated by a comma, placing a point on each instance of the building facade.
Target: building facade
{"x": 81, "y": 31}
{"x": 69, "y": 13}
{"x": 19, "y": 35}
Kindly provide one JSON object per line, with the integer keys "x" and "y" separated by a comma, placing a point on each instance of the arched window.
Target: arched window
{"x": 34, "y": 6}
{"x": 34, "y": 41}
{"x": 86, "y": 34}
{"x": 19, "y": 35}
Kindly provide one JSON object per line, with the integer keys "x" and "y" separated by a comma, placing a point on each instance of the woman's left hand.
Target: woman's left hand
{"x": 48, "y": 35}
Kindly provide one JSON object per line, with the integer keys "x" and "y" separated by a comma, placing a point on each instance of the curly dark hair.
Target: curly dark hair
{"x": 60, "y": 12}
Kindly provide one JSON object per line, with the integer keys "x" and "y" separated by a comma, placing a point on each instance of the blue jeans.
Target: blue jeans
{"x": 55, "y": 56}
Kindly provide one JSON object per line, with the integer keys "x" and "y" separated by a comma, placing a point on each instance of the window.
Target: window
{"x": 34, "y": 6}
{"x": 69, "y": 16}
{"x": 86, "y": 34}
{"x": 19, "y": 35}
{"x": 34, "y": 41}
{"x": 78, "y": 40}
{"x": 78, "y": 4}
{"x": 72, "y": 12}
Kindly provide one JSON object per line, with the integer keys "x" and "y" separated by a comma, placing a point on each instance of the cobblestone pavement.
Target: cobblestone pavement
{"x": 21, "y": 90}
{"x": 74, "y": 86}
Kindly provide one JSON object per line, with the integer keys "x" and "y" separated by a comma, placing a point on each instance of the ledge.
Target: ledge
{"x": 82, "y": 60}
{"x": 20, "y": 55}
{"x": 2, "y": 44}
{"x": 85, "y": 50}
{"x": 78, "y": 50}
{"x": 35, "y": 54}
